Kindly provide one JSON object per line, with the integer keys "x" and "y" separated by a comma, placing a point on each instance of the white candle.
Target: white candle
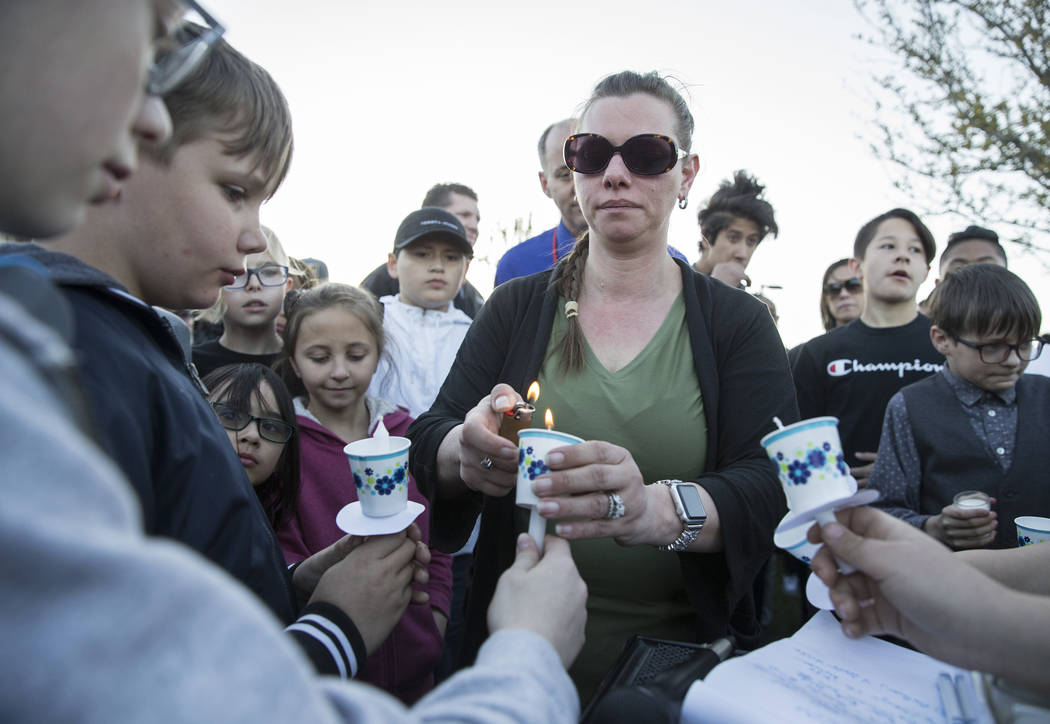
{"x": 537, "y": 528}
{"x": 824, "y": 518}
{"x": 382, "y": 434}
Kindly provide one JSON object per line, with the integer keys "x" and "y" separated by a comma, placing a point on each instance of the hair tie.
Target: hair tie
{"x": 572, "y": 309}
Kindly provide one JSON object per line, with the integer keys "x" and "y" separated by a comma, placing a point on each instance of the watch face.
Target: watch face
{"x": 690, "y": 497}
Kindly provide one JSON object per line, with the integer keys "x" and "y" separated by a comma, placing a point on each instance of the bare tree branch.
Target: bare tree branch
{"x": 968, "y": 119}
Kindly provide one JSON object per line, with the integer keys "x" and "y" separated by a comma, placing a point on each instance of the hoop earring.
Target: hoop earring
{"x": 683, "y": 202}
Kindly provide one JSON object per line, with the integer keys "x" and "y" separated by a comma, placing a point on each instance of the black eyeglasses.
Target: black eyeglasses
{"x": 269, "y": 428}
{"x": 171, "y": 66}
{"x": 853, "y": 284}
{"x": 996, "y": 352}
{"x": 269, "y": 275}
{"x": 648, "y": 154}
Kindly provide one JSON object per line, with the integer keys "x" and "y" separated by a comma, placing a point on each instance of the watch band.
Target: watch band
{"x": 690, "y": 527}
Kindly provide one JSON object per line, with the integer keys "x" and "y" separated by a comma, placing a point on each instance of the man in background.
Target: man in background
{"x": 461, "y": 202}
{"x": 542, "y": 251}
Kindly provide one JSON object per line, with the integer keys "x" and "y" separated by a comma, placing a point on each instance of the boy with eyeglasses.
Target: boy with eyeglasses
{"x": 979, "y": 424}
{"x": 852, "y": 371}
{"x": 172, "y": 236}
{"x": 249, "y": 309}
{"x": 91, "y": 600}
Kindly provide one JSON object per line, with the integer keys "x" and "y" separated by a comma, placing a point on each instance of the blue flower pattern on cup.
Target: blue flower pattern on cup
{"x": 1024, "y": 540}
{"x": 798, "y": 472}
{"x": 813, "y": 462}
{"x": 385, "y": 483}
{"x": 529, "y": 464}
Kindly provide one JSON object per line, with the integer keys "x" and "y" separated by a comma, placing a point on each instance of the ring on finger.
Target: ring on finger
{"x": 486, "y": 462}
{"x": 617, "y": 508}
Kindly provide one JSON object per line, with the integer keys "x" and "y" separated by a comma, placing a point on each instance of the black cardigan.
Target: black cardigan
{"x": 744, "y": 379}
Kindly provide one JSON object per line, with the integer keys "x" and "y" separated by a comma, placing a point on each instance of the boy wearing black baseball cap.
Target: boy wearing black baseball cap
{"x": 430, "y": 259}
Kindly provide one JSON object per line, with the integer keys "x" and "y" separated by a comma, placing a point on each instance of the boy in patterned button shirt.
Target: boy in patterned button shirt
{"x": 978, "y": 424}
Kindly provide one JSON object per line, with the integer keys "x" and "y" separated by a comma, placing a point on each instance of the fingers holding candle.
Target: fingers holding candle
{"x": 534, "y": 447}
{"x": 578, "y": 489}
{"x": 852, "y": 595}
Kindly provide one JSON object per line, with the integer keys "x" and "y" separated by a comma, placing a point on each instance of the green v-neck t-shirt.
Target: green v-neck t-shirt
{"x": 652, "y": 407}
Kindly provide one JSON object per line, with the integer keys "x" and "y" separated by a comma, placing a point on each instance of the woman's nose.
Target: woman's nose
{"x": 616, "y": 173}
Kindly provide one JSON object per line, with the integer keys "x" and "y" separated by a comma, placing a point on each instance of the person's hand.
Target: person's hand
{"x": 861, "y": 473}
{"x": 732, "y": 273}
{"x": 578, "y": 487}
{"x": 907, "y": 584}
{"x": 963, "y": 528}
{"x": 421, "y": 574}
{"x": 373, "y": 584}
{"x": 479, "y": 440}
{"x": 309, "y": 571}
{"x": 544, "y": 595}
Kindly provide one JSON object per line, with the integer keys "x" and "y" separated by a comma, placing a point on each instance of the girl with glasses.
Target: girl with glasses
{"x": 248, "y": 310}
{"x": 670, "y": 377}
{"x": 841, "y": 296}
{"x": 253, "y": 405}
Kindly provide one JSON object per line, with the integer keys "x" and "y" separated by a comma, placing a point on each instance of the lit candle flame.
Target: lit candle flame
{"x": 548, "y": 419}
{"x": 534, "y": 392}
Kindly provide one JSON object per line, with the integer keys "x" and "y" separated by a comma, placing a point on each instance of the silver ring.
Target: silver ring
{"x": 486, "y": 462}
{"x": 617, "y": 509}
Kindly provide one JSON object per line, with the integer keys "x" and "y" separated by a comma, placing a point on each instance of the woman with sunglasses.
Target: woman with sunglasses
{"x": 670, "y": 377}
{"x": 841, "y": 296}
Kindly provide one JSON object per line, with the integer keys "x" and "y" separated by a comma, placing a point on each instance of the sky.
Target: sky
{"x": 389, "y": 98}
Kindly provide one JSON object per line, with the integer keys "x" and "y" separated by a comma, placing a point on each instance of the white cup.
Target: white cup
{"x": 973, "y": 500}
{"x": 533, "y": 446}
{"x": 810, "y": 462}
{"x": 1032, "y": 529}
{"x": 380, "y": 468}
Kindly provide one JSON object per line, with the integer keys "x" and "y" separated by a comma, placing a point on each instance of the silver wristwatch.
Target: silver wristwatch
{"x": 690, "y": 509}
